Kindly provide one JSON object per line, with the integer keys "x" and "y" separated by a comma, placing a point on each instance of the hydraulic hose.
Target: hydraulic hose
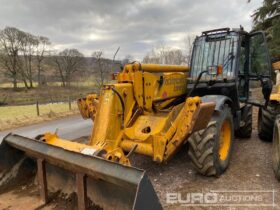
{"x": 196, "y": 82}
{"x": 122, "y": 104}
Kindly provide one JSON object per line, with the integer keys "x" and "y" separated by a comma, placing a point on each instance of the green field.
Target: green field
{"x": 30, "y": 111}
{"x": 13, "y": 116}
{"x": 89, "y": 83}
{"x": 48, "y": 94}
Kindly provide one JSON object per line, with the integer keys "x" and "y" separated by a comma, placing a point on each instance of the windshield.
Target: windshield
{"x": 214, "y": 50}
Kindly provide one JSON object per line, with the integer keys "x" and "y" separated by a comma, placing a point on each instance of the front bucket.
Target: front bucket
{"x": 97, "y": 182}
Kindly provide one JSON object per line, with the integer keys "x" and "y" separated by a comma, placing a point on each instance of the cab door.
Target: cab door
{"x": 260, "y": 70}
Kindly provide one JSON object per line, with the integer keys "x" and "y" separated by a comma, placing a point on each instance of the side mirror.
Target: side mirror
{"x": 266, "y": 88}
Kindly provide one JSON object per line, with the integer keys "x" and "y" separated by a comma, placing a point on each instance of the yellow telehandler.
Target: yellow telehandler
{"x": 151, "y": 110}
{"x": 269, "y": 122}
{"x": 267, "y": 115}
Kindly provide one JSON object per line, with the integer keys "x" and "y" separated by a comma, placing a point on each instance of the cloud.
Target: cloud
{"x": 136, "y": 26}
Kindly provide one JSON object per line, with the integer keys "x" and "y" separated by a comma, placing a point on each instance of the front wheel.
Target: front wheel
{"x": 245, "y": 129}
{"x": 210, "y": 149}
{"x": 266, "y": 119}
{"x": 276, "y": 149}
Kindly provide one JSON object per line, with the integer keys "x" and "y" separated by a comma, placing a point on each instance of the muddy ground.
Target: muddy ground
{"x": 250, "y": 173}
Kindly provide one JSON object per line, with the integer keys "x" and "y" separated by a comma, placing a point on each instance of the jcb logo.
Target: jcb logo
{"x": 173, "y": 81}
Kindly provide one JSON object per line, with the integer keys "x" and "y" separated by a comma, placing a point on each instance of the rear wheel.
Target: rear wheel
{"x": 245, "y": 129}
{"x": 210, "y": 149}
{"x": 266, "y": 120}
{"x": 276, "y": 149}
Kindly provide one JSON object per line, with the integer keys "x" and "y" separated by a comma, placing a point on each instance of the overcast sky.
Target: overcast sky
{"x": 136, "y": 26}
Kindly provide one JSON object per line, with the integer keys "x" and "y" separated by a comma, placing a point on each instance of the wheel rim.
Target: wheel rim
{"x": 225, "y": 140}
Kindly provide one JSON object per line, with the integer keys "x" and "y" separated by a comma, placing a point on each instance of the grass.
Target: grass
{"x": 14, "y": 116}
{"x": 53, "y": 92}
{"x": 46, "y": 94}
{"x": 18, "y": 107}
{"x": 88, "y": 83}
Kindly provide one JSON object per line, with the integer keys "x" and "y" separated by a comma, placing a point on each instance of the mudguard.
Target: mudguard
{"x": 220, "y": 100}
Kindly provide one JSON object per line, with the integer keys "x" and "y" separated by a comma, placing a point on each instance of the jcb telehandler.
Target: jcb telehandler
{"x": 151, "y": 110}
{"x": 268, "y": 114}
{"x": 269, "y": 122}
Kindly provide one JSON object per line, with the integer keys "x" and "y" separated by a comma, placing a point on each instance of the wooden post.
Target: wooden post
{"x": 81, "y": 191}
{"x": 42, "y": 180}
{"x": 69, "y": 103}
{"x": 37, "y": 108}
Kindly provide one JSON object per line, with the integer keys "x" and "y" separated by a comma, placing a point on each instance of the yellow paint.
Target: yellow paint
{"x": 157, "y": 132}
{"x": 182, "y": 126}
{"x": 275, "y": 96}
{"x": 225, "y": 140}
{"x": 159, "y": 68}
{"x": 276, "y": 65}
{"x": 88, "y": 106}
{"x": 142, "y": 148}
{"x": 53, "y": 139}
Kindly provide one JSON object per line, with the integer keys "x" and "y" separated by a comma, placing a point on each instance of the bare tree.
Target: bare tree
{"x": 163, "y": 51}
{"x": 101, "y": 67}
{"x": 41, "y": 49}
{"x": 113, "y": 66}
{"x": 28, "y": 46}
{"x": 68, "y": 62}
{"x": 127, "y": 59}
{"x": 165, "y": 55}
{"x": 188, "y": 42}
{"x": 152, "y": 57}
{"x": 10, "y": 44}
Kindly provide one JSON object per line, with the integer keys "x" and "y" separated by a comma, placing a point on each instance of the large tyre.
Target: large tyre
{"x": 276, "y": 149}
{"x": 210, "y": 149}
{"x": 245, "y": 129}
{"x": 266, "y": 119}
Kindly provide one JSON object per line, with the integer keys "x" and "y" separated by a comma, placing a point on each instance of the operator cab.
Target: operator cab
{"x": 230, "y": 63}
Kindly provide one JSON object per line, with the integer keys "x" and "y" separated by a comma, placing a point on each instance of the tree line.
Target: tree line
{"x": 27, "y": 58}
{"x": 163, "y": 54}
{"x": 267, "y": 18}
{"x": 19, "y": 52}
{"x": 24, "y": 56}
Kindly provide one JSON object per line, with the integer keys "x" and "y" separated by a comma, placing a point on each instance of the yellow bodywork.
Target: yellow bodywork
{"x": 276, "y": 96}
{"x": 276, "y": 65}
{"x": 140, "y": 114}
{"x": 225, "y": 138}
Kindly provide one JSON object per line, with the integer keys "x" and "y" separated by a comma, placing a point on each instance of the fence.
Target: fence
{"x": 61, "y": 106}
{"x": 20, "y": 115}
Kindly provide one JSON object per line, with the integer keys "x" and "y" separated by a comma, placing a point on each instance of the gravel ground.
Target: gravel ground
{"x": 250, "y": 170}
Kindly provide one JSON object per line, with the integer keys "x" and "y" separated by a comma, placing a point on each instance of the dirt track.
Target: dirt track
{"x": 250, "y": 170}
